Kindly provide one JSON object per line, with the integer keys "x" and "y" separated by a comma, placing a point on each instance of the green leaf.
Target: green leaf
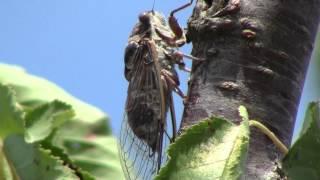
{"x": 11, "y": 115}
{"x": 212, "y": 149}
{"x": 34, "y": 94}
{"x": 32, "y": 91}
{"x": 5, "y": 171}
{"x": 58, "y": 152}
{"x": 41, "y": 121}
{"x": 243, "y": 113}
{"x": 96, "y": 154}
{"x": 309, "y": 117}
{"x": 30, "y": 161}
{"x": 302, "y": 161}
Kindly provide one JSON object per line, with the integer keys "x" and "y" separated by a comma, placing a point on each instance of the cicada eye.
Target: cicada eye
{"x": 144, "y": 18}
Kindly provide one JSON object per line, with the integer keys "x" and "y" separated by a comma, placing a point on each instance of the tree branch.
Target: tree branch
{"x": 257, "y": 53}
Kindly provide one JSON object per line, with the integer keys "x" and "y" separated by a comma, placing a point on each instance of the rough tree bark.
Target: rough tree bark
{"x": 256, "y": 54}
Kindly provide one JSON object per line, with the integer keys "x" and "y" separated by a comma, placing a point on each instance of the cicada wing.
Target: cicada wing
{"x": 143, "y": 128}
{"x": 137, "y": 159}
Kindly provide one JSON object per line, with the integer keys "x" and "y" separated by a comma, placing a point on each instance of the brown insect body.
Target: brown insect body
{"x": 150, "y": 58}
{"x": 145, "y": 49}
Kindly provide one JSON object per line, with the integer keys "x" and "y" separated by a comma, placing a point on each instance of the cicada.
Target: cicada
{"x": 150, "y": 59}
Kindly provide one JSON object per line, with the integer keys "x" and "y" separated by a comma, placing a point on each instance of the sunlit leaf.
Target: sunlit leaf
{"x": 212, "y": 149}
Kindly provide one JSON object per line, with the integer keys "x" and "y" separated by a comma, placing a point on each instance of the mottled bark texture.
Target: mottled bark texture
{"x": 256, "y": 54}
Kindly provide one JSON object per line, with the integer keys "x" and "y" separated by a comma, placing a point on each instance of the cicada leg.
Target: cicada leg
{"x": 173, "y": 120}
{"x": 177, "y": 57}
{"x": 173, "y": 23}
{"x": 160, "y": 141}
{"x": 171, "y": 83}
{"x": 179, "y": 38}
{"x": 172, "y": 41}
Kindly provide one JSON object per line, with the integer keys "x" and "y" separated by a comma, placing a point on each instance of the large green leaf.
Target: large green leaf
{"x": 41, "y": 121}
{"x": 303, "y": 159}
{"x": 59, "y": 152}
{"x": 11, "y": 115}
{"x": 33, "y": 162}
{"x": 89, "y": 149}
{"x": 96, "y": 156}
{"x": 50, "y": 123}
{"x": 5, "y": 170}
{"x": 212, "y": 149}
{"x": 32, "y": 91}
{"x": 312, "y": 115}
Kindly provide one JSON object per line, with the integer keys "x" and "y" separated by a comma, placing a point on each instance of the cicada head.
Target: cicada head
{"x": 149, "y": 18}
{"x": 149, "y": 24}
{"x": 148, "y": 21}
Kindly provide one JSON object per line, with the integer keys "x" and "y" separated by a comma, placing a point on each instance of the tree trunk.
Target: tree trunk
{"x": 256, "y": 54}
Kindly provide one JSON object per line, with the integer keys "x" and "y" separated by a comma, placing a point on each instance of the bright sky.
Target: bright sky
{"x": 79, "y": 45}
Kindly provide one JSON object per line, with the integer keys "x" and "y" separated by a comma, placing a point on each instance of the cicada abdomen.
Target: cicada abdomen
{"x": 150, "y": 59}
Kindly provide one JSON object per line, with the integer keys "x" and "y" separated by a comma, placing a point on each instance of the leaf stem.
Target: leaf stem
{"x": 270, "y": 134}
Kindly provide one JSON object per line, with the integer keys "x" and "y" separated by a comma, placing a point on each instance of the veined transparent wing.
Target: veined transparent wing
{"x": 143, "y": 135}
{"x": 137, "y": 159}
